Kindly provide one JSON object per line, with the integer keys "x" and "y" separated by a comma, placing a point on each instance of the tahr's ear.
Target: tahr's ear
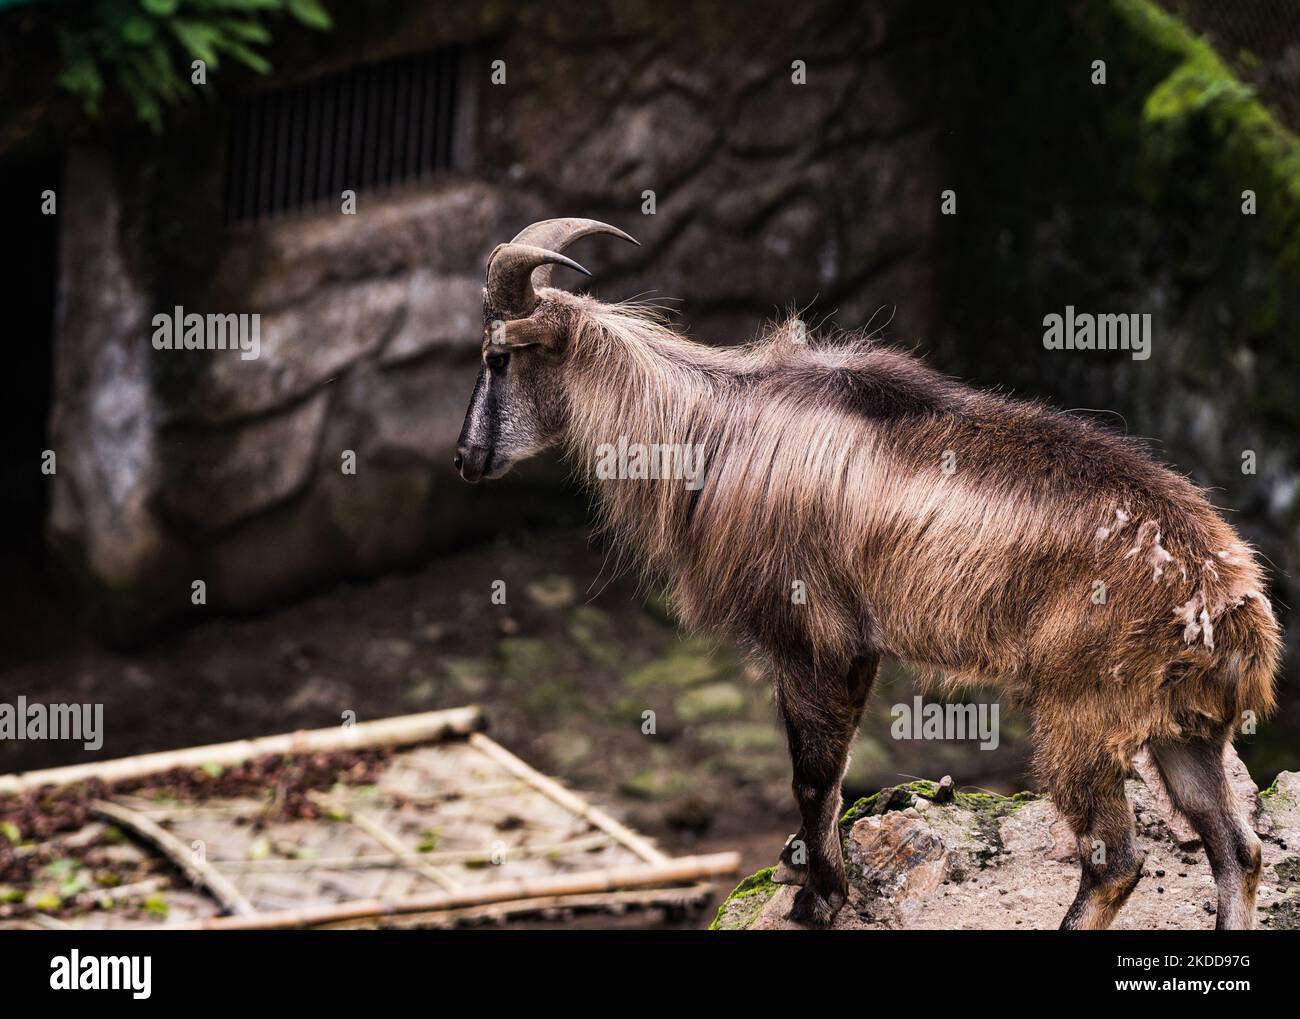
{"x": 546, "y": 331}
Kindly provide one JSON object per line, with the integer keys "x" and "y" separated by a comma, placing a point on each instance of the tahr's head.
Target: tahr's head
{"x": 516, "y": 411}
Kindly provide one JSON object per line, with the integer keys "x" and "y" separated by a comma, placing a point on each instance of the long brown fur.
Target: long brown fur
{"x": 953, "y": 529}
{"x": 824, "y": 463}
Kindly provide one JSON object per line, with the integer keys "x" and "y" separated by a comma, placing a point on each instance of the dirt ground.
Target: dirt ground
{"x": 567, "y": 669}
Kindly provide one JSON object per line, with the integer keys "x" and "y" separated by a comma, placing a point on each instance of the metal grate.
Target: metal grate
{"x": 366, "y": 129}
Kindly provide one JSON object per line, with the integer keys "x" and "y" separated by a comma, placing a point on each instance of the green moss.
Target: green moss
{"x": 657, "y": 783}
{"x": 46, "y": 902}
{"x": 741, "y": 737}
{"x": 992, "y": 801}
{"x": 684, "y": 665}
{"x": 593, "y": 631}
{"x": 1288, "y": 869}
{"x": 552, "y": 592}
{"x": 746, "y": 900}
{"x": 156, "y": 906}
{"x": 552, "y": 695}
{"x": 894, "y": 797}
{"x": 1166, "y": 147}
{"x": 523, "y": 658}
{"x": 710, "y": 702}
{"x": 1284, "y": 915}
{"x": 1202, "y": 99}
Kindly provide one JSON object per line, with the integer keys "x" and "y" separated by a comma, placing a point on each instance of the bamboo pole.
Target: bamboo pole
{"x": 686, "y": 868}
{"x": 403, "y": 730}
{"x": 255, "y": 809}
{"x": 639, "y": 844}
{"x": 391, "y": 842}
{"x": 377, "y": 860}
{"x": 197, "y": 870}
{"x": 683, "y": 897}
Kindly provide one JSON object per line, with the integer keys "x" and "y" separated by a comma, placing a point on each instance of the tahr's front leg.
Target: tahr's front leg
{"x": 821, "y": 716}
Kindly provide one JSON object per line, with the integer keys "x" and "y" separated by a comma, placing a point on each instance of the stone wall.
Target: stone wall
{"x": 178, "y": 466}
{"x": 1128, "y": 198}
{"x": 824, "y": 196}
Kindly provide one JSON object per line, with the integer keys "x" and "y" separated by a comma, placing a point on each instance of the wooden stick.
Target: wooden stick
{"x": 686, "y": 868}
{"x": 639, "y": 844}
{"x": 198, "y": 871}
{"x": 690, "y": 895}
{"x": 256, "y": 809}
{"x": 404, "y": 730}
{"x": 170, "y": 813}
{"x": 373, "y": 860}
{"x": 391, "y": 842}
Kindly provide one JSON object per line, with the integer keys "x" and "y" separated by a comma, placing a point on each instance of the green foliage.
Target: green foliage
{"x": 146, "y": 47}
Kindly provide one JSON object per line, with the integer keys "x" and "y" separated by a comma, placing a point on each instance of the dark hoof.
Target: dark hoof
{"x": 789, "y": 874}
{"x": 811, "y": 909}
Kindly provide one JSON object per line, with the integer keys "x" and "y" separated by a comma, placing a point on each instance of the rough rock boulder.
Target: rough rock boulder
{"x": 922, "y": 857}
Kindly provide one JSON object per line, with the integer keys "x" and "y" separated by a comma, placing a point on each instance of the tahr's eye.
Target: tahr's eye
{"x": 496, "y": 360}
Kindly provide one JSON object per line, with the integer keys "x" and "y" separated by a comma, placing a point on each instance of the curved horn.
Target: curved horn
{"x": 509, "y": 284}
{"x": 558, "y": 234}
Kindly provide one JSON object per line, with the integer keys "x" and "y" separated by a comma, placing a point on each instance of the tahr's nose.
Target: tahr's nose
{"x": 472, "y": 461}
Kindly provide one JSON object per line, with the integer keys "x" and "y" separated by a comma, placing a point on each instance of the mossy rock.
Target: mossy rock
{"x": 552, "y": 695}
{"x": 1284, "y": 915}
{"x": 740, "y": 737}
{"x": 1288, "y": 869}
{"x": 593, "y": 631}
{"x": 656, "y": 783}
{"x": 524, "y": 658}
{"x": 896, "y": 797}
{"x": 566, "y": 748}
{"x": 683, "y": 666}
{"x": 746, "y": 901}
{"x": 469, "y": 674}
{"x": 552, "y": 592}
{"x": 713, "y": 701}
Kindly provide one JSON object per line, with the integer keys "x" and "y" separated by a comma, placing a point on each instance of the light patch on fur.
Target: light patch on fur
{"x": 1196, "y": 620}
{"x": 1207, "y": 629}
{"x": 1199, "y": 614}
{"x": 1120, "y": 522}
{"x": 1157, "y": 556}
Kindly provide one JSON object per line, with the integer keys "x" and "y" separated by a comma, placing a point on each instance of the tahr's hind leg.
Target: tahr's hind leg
{"x": 1194, "y": 775}
{"x": 1102, "y": 820}
{"x": 821, "y": 716}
